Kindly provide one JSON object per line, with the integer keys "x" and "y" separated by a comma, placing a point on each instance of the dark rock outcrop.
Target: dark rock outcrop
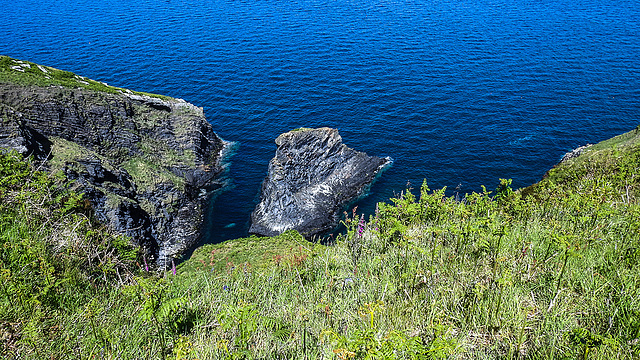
{"x": 312, "y": 176}
{"x": 146, "y": 163}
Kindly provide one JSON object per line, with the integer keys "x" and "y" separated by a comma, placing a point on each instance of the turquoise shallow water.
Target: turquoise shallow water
{"x": 456, "y": 92}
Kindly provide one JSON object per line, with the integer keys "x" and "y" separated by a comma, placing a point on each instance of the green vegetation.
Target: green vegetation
{"x": 548, "y": 272}
{"x": 69, "y": 153}
{"x": 144, "y": 169}
{"x": 27, "y": 73}
{"x": 258, "y": 252}
{"x": 166, "y": 155}
{"x": 148, "y": 174}
{"x": 53, "y": 260}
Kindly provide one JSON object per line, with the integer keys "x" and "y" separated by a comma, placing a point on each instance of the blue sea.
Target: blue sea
{"x": 457, "y": 92}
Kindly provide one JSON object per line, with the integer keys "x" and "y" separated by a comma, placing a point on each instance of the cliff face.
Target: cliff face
{"x": 146, "y": 163}
{"x": 312, "y": 175}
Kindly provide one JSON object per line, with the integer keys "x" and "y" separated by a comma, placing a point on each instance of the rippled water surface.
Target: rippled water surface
{"x": 455, "y": 91}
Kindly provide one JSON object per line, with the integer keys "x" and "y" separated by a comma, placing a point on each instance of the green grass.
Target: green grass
{"x": 165, "y": 155}
{"x": 257, "y": 253}
{"x": 549, "y": 272}
{"x": 53, "y": 259}
{"x": 144, "y": 169}
{"x": 68, "y": 153}
{"x": 147, "y": 174}
{"x": 26, "y": 73}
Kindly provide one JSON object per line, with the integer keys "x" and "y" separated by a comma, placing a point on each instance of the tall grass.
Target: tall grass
{"x": 548, "y": 272}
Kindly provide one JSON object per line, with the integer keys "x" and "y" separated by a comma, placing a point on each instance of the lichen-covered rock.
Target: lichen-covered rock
{"x": 146, "y": 163}
{"x": 574, "y": 153}
{"x": 312, "y": 176}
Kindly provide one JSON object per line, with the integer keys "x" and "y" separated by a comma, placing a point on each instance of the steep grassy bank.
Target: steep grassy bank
{"x": 549, "y": 272}
{"x": 54, "y": 258}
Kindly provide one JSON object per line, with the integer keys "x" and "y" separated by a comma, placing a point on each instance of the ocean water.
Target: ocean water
{"x": 457, "y": 92}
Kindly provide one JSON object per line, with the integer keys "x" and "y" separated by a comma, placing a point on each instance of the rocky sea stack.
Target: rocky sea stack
{"x": 145, "y": 162}
{"x": 312, "y": 176}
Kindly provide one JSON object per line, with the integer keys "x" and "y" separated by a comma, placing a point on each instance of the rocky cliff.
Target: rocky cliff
{"x": 312, "y": 176}
{"x": 145, "y": 162}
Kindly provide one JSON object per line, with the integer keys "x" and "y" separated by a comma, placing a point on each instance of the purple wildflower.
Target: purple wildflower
{"x": 146, "y": 266}
{"x": 361, "y": 226}
{"x": 377, "y": 218}
{"x": 173, "y": 267}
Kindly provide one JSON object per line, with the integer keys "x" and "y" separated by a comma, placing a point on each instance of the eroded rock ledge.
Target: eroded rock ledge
{"x": 312, "y": 176}
{"x": 146, "y": 163}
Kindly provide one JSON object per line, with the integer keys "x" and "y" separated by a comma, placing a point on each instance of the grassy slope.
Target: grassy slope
{"x": 255, "y": 252}
{"x": 501, "y": 276}
{"x": 26, "y": 73}
{"x": 53, "y": 260}
{"x": 550, "y": 272}
{"x": 608, "y": 154}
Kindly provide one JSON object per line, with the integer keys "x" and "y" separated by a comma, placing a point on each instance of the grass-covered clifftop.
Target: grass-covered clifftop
{"x": 549, "y": 272}
{"x": 27, "y": 73}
